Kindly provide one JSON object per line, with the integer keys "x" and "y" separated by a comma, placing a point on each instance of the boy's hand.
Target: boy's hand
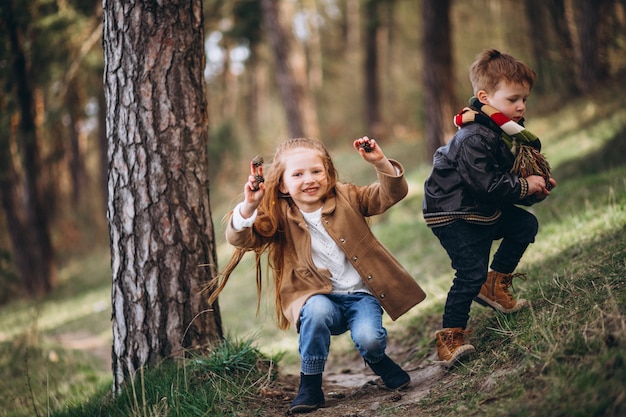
{"x": 538, "y": 187}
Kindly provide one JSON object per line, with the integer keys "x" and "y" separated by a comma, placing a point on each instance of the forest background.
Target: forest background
{"x": 378, "y": 68}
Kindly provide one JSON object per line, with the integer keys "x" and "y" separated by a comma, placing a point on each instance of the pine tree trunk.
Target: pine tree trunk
{"x": 160, "y": 223}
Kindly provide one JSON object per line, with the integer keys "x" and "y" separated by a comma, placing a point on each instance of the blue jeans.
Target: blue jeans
{"x": 325, "y": 315}
{"x": 469, "y": 246}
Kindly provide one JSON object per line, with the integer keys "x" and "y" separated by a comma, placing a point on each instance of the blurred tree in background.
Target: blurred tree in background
{"x": 439, "y": 91}
{"x": 335, "y": 69}
{"x": 43, "y": 101}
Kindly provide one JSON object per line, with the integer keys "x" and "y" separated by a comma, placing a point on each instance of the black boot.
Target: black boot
{"x": 392, "y": 375}
{"x": 310, "y": 396}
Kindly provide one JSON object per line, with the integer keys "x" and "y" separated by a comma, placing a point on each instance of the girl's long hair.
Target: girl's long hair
{"x": 270, "y": 225}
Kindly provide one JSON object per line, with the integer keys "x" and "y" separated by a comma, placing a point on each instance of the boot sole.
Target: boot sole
{"x": 486, "y": 302}
{"x": 399, "y": 387}
{"x": 461, "y": 352}
{"x": 305, "y": 408}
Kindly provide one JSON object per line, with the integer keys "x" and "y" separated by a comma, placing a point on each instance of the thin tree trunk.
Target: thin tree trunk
{"x": 314, "y": 49}
{"x": 33, "y": 246}
{"x": 438, "y": 82}
{"x": 567, "y": 68}
{"x": 252, "y": 100}
{"x": 373, "y": 117}
{"x": 300, "y": 69}
{"x": 290, "y": 83}
{"x": 162, "y": 237}
{"x": 593, "y": 66}
{"x": 76, "y": 163}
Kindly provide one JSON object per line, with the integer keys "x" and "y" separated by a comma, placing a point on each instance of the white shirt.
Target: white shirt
{"x": 324, "y": 251}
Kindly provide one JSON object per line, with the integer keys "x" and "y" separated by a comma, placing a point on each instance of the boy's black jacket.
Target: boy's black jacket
{"x": 471, "y": 175}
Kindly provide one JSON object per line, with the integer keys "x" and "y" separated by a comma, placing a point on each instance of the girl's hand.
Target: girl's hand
{"x": 372, "y": 153}
{"x": 253, "y": 190}
{"x": 369, "y": 149}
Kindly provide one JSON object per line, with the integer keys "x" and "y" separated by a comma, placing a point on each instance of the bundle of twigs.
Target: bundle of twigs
{"x": 529, "y": 161}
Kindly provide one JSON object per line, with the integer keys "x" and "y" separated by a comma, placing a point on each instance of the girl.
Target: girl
{"x": 330, "y": 273}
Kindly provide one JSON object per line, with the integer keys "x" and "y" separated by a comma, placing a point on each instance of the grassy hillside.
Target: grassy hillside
{"x": 565, "y": 356}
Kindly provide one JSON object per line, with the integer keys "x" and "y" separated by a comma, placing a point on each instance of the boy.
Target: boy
{"x": 470, "y": 197}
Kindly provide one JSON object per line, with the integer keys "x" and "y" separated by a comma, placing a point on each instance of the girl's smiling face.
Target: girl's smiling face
{"x": 305, "y": 178}
{"x": 508, "y": 98}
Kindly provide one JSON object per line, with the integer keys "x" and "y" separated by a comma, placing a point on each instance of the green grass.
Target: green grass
{"x": 564, "y": 356}
{"x": 213, "y": 385}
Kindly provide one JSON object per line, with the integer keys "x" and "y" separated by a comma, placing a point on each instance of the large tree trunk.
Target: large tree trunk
{"x": 439, "y": 96}
{"x": 162, "y": 237}
{"x": 23, "y": 194}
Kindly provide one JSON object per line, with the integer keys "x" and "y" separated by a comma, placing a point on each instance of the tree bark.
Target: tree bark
{"x": 438, "y": 82}
{"x": 161, "y": 231}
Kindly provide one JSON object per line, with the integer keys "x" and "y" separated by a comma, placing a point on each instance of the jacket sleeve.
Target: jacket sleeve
{"x": 245, "y": 238}
{"x": 379, "y": 196}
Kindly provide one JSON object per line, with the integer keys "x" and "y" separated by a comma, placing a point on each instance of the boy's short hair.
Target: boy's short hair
{"x": 491, "y": 66}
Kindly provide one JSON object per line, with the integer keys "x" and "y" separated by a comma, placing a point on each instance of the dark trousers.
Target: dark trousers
{"x": 469, "y": 247}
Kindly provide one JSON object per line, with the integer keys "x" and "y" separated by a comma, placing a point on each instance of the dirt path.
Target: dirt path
{"x": 353, "y": 390}
{"x": 85, "y": 341}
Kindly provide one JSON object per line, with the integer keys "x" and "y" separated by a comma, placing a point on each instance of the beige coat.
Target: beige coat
{"x": 343, "y": 216}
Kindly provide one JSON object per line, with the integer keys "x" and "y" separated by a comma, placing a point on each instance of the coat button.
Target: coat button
{"x": 382, "y": 295}
{"x": 369, "y": 277}
{"x": 342, "y": 240}
{"x": 355, "y": 258}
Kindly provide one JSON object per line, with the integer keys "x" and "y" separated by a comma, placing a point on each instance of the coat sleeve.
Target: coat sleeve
{"x": 245, "y": 238}
{"x": 379, "y": 196}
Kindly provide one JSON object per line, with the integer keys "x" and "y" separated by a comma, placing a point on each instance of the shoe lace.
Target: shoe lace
{"x": 507, "y": 280}
{"x": 454, "y": 338}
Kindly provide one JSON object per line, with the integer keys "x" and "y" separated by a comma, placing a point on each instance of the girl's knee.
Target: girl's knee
{"x": 370, "y": 341}
{"x": 318, "y": 305}
{"x": 318, "y": 310}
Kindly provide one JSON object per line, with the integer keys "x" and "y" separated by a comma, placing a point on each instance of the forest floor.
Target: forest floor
{"x": 353, "y": 390}
{"x": 350, "y": 388}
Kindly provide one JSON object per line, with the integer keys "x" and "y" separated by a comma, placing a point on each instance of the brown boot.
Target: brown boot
{"x": 495, "y": 293}
{"x": 452, "y": 346}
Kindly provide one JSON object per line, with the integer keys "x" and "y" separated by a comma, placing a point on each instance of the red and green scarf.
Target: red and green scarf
{"x": 523, "y": 144}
